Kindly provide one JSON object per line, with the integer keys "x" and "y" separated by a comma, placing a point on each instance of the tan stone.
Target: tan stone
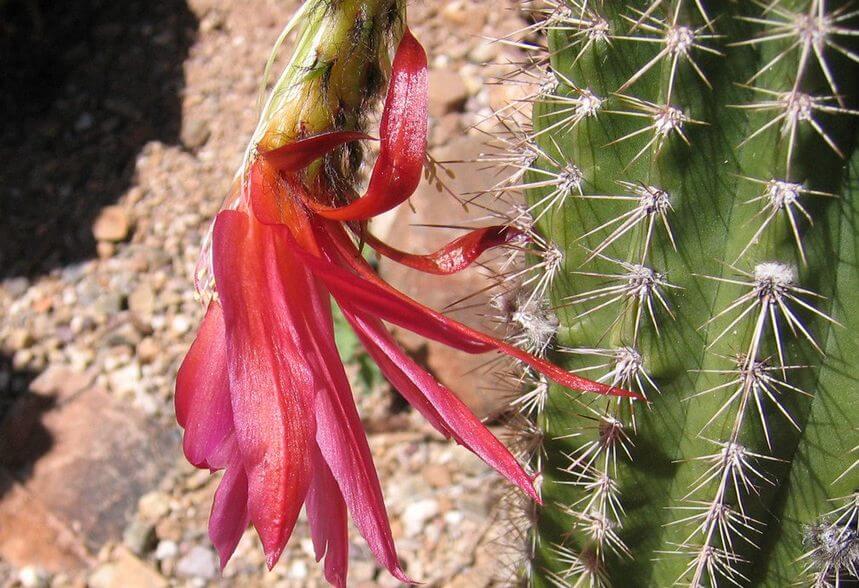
{"x": 437, "y": 475}
{"x": 126, "y": 571}
{"x": 141, "y": 301}
{"x": 112, "y": 224}
{"x": 147, "y": 350}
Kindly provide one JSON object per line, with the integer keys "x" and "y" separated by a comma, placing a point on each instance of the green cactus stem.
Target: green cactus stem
{"x": 691, "y": 162}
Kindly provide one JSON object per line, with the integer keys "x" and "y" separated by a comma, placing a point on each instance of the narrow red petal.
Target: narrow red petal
{"x": 453, "y": 257}
{"x": 229, "y": 517}
{"x": 394, "y": 372}
{"x": 412, "y": 381}
{"x": 271, "y": 383}
{"x": 295, "y": 156}
{"x": 403, "y": 134}
{"x": 202, "y": 397}
{"x": 340, "y": 434}
{"x": 326, "y": 513}
{"x": 343, "y": 443}
{"x": 350, "y": 289}
{"x": 383, "y": 301}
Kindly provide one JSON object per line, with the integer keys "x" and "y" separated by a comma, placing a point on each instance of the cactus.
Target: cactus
{"x": 687, "y": 169}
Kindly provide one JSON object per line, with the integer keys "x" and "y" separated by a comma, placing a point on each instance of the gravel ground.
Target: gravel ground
{"x": 114, "y": 172}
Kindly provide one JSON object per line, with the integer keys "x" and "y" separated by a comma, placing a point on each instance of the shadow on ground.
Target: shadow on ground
{"x": 23, "y": 437}
{"x": 86, "y": 84}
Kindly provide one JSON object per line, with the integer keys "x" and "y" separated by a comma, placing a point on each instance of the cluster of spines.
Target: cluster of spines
{"x": 640, "y": 292}
{"x": 832, "y": 544}
{"x": 769, "y": 304}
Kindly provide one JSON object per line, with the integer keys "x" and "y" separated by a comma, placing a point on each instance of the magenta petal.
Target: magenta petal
{"x": 229, "y": 517}
{"x": 393, "y": 371}
{"x": 383, "y": 301}
{"x": 342, "y": 441}
{"x": 326, "y": 513}
{"x": 202, "y": 392}
{"x": 271, "y": 383}
{"x": 412, "y": 382}
{"x": 403, "y": 136}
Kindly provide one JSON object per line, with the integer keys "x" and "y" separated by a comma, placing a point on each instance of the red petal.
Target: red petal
{"x": 404, "y": 312}
{"x": 453, "y": 257}
{"x": 273, "y": 201}
{"x": 326, "y": 513}
{"x": 340, "y": 434}
{"x": 202, "y": 392}
{"x": 271, "y": 383}
{"x": 394, "y": 373}
{"x": 229, "y": 517}
{"x": 380, "y": 299}
{"x": 270, "y": 195}
{"x": 403, "y": 134}
{"x": 343, "y": 443}
{"x": 412, "y": 382}
{"x": 295, "y": 156}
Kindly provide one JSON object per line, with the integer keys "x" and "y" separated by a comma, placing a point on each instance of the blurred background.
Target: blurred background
{"x": 121, "y": 125}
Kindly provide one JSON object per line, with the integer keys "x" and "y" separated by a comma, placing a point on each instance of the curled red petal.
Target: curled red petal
{"x": 271, "y": 383}
{"x": 453, "y": 257}
{"x": 202, "y": 397}
{"x": 403, "y": 134}
{"x": 296, "y": 155}
{"x": 383, "y": 301}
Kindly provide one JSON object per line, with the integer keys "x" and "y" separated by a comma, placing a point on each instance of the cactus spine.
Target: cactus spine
{"x": 687, "y": 168}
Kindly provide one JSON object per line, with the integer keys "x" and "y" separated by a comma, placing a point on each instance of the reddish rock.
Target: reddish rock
{"x": 61, "y": 381}
{"x": 21, "y": 432}
{"x": 31, "y": 535}
{"x": 85, "y": 465}
{"x": 104, "y": 457}
{"x": 447, "y": 92}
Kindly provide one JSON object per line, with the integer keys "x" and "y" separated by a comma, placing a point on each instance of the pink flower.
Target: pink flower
{"x": 262, "y": 393}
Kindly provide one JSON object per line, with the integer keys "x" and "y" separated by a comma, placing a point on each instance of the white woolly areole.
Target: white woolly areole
{"x": 679, "y": 39}
{"x": 588, "y": 104}
{"x": 775, "y": 275}
{"x": 798, "y": 106}
{"x": 653, "y": 199}
{"x": 781, "y": 193}
{"x": 570, "y": 178}
{"x": 668, "y": 119}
